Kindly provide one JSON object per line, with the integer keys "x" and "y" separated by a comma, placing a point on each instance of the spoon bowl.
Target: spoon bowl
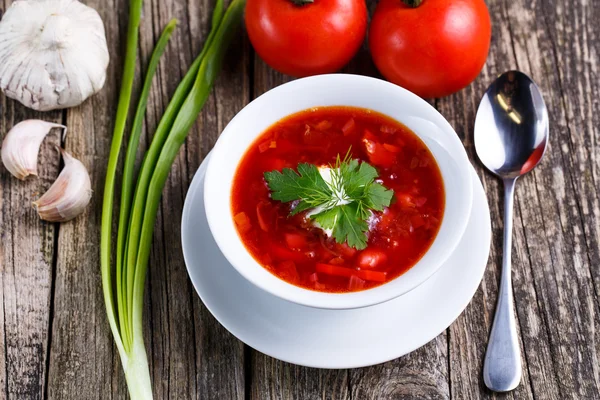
{"x": 511, "y": 127}
{"x": 511, "y": 134}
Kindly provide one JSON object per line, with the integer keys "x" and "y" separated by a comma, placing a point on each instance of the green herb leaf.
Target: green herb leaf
{"x": 345, "y": 203}
{"x": 378, "y": 196}
{"x": 359, "y": 180}
{"x": 307, "y": 185}
{"x": 328, "y": 218}
{"x": 351, "y": 227}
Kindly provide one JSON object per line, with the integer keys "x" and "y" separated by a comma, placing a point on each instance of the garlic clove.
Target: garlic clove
{"x": 21, "y": 146}
{"x": 69, "y": 194}
{"x": 53, "y": 53}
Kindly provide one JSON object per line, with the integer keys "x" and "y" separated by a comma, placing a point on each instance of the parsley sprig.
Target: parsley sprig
{"x": 343, "y": 204}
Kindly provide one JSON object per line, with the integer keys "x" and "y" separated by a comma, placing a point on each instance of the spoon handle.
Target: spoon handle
{"x": 502, "y": 365}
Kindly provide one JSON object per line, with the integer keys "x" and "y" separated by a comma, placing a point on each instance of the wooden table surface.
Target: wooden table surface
{"x": 54, "y": 338}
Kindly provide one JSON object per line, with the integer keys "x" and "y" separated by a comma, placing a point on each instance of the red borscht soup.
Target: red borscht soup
{"x": 299, "y": 250}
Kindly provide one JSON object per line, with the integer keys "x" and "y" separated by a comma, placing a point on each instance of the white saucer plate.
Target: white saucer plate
{"x": 333, "y": 338}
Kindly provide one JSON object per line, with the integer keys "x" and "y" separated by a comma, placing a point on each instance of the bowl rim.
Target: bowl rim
{"x": 221, "y": 223}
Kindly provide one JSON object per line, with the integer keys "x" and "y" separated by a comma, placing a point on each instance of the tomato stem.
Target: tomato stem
{"x": 302, "y": 2}
{"x": 412, "y": 3}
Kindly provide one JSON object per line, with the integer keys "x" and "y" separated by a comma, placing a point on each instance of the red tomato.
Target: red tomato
{"x": 307, "y": 39}
{"x": 371, "y": 258}
{"x": 434, "y": 49}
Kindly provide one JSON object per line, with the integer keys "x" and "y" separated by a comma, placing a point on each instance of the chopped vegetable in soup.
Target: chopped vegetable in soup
{"x": 337, "y": 199}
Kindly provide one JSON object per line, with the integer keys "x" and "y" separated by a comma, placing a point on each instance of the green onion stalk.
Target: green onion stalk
{"x": 138, "y": 208}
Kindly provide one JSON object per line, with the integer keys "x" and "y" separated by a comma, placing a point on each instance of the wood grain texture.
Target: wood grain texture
{"x": 422, "y": 374}
{"x": 27, "y": 258}
{"x": 27, "y": 251}
{"x": 83, "y": 359}
{"x": 193, "y": 347}
{"x": 273, "y": 379}
{"x": 54, "y": 339}
{"x": 556, "y": 300}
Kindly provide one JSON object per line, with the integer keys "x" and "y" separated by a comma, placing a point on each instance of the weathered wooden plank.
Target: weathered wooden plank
{"x": 26, "y": 264}
{"x": 83, "y": 360}
{"x": 193, "y": 356}
{"x": 468, "y": 336}
{"x": 422, "y": 374}
{"x": 220, "y": 357}
{"x": 274, "y": 379}
{"x": 168, "y": 328}
{"x": 575, "y": 38}
{"x": 3, "y": 358}
{"x": 560, "y": 268}
{"x": 548, "y": 232}
{"x": 82, "y": 357}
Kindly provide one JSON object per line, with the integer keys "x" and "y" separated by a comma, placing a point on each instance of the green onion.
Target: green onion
{"x": 135, "y": 12}
{"x": 133, "y": 358}
{"x": 128, "y": 172}
{"x": 151, "y": 157}
{"x": 138, "y": 209}
{"x": 187, "y": 115}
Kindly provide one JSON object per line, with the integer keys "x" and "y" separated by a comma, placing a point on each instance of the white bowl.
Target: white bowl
{"x": 338, "y": 90}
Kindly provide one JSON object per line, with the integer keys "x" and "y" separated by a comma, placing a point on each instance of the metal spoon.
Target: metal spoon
{"x": 511, "y": 133}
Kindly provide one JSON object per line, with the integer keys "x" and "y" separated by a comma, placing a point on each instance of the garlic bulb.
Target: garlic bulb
{"x": 21, "y": 146}
{"x": 69, "y": 194}
{"x": 53, "y": 53}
